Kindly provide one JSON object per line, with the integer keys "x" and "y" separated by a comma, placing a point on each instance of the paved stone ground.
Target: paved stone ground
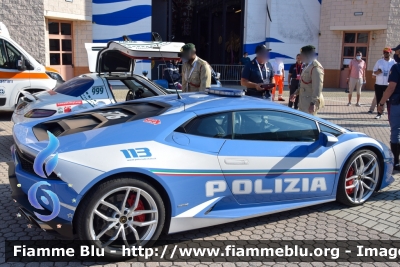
{"x": 377, "y": 219}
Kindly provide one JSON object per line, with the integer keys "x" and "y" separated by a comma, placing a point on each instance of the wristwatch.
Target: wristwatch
{"x": 381, "y": 105}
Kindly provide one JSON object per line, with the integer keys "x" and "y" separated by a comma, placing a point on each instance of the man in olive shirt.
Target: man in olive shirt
{"x": 196, "y": 73}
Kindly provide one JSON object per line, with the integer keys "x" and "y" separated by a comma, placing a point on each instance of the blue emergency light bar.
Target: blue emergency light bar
{"x": 224, "y": 92}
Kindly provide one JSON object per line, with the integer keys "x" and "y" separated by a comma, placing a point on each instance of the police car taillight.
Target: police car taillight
{"x": 39, "y": 113}
{"x": 224, "y": 92}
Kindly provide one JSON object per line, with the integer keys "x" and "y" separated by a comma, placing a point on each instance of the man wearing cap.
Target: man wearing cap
{"x": 196, "y": 73}
{"x": 392, "y": 93}
{"x": 381, "y": 73}
{"x": 258, "y": 72}
{"x": 311, "y": 82}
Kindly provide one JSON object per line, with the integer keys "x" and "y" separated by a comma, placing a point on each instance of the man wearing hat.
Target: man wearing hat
{"x": 311, "y": 82}
{"x": 196, "y": 73}
{"x": 392, "y": 93}
{"x": 381, "y": 73}
{"x": 258, "y": 72}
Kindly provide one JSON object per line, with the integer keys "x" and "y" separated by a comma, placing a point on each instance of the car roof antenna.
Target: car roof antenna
{"x": 157, "y": 38}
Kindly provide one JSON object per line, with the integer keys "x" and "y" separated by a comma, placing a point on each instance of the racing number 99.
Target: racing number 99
{"x": 97, "y": 90}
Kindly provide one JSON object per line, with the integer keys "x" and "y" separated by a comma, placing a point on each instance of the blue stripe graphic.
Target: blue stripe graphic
{"x": 107, "y": 1}
{"x": 274, "y": 55}
{"x": 135, "y": 37}
{"x": 126, "y": 16}
{"x": 250, "y": 48}
{"x": 272, "y": 40}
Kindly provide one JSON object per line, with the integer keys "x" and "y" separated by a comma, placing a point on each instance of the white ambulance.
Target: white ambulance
{"x": 20, "y": 72}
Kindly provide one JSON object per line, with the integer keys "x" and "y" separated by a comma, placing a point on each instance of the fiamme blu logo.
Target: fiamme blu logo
{"x": 44, "y": 165}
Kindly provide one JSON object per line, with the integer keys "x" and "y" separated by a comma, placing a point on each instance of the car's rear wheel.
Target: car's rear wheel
{"x": 122, "y": 211}
{"x": 359, "y": 178}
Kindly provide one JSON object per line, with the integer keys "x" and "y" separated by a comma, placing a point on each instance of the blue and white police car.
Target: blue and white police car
{"x": 125, "y": 173}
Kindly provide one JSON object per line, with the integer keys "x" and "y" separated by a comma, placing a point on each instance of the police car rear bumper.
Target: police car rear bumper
{"x": 57, "y": 225}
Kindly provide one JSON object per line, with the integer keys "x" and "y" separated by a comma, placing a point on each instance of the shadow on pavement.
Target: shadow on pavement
{"x": 5, "y": 115}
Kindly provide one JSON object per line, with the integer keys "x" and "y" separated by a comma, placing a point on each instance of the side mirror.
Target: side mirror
{"x": 217, "y": 75}
{"x": 325, "y": 140}
{"x": 328, "y": 139}
{"x": 21, "y": 64}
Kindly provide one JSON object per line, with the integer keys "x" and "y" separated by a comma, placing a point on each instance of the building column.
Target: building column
{"x": 210, "y": 16}
{"x": 169, "y": 37}
{"x": 223, "y": 30}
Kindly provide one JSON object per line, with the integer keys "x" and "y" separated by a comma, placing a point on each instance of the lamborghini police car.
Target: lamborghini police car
{"x": 125, "y": 173}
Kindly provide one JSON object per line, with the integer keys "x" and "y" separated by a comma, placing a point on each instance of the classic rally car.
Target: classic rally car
{"x": 113, "y": 69}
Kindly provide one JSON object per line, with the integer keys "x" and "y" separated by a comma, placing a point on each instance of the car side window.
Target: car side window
{"x": 135, "y": 86}
{"x": 327, "y": 129}
{"x": 13, "y": 56}
{"x": 3, "y": 56}
{"x": 268, "y": 125}
{"x": 214, "y": 125}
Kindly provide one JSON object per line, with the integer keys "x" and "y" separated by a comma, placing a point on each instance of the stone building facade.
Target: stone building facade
{"x": 25, "y": 22}
{"x": 33, "y": 25}
{"x": 347, "y": 26}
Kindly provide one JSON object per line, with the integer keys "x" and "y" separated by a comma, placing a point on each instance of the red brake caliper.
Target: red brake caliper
{"x": 131, "y": 201}
{"x": 350, "y": 182}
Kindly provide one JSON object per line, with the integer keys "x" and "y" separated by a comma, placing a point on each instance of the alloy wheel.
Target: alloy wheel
{"x": 362, "y": 177}
{"x": 124, "y": 216}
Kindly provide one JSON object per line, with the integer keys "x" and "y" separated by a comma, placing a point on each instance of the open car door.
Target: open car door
{"x": 121, "y": 56}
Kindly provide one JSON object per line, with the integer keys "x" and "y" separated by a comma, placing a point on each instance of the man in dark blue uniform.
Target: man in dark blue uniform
{"x": 393, "y": 94}
{"x": 258, "y": 72}
{"x": 171, "y": 72}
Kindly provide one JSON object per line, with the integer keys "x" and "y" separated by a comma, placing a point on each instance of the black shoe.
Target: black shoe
{"x": 370, "y": 112}
{"x": 378, "y": 116}
{"x": 396, "y": 152}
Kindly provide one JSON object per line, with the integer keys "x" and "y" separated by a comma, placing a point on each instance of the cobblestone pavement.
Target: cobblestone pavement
{"x": 377, "y": 219}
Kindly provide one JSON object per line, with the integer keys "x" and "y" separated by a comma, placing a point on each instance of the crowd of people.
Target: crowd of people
{"x": 262, "y": 79}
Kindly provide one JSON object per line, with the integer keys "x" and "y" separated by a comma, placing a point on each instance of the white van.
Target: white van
{"x": 20, "y": 72}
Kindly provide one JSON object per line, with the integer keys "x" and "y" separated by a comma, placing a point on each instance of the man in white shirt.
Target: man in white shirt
{"x": 279, "y": 76}
{"x": 381, "y": 71}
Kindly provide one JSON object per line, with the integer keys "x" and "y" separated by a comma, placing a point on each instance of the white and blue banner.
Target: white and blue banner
{"x": 294, "y": 24}
{"x": 114, "y": 18}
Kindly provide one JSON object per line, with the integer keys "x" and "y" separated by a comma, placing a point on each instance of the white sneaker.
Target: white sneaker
{"x": 349, "y": 104}
{"x": 358, "y": 105}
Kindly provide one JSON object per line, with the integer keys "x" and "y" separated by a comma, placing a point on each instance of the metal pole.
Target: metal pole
{"x": 170, "y": 20}
{"x": 210, "y": 15}
{"x": 242, "y": 7}
{"x": 223, "y": 31}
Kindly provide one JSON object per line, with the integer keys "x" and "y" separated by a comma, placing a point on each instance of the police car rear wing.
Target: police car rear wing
{"x": 121, "y": 56}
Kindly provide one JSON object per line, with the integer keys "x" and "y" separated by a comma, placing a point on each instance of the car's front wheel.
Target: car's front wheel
{"x": 121, "y": 212}
{"x": 359, "y": 178}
